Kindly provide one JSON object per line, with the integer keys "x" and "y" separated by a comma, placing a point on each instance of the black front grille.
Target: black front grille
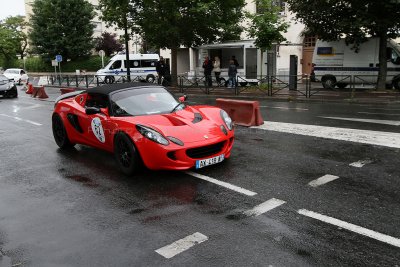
{"x": 205, "y": 151}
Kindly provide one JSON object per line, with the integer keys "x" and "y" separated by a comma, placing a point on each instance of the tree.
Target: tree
{"x": 355, "y": 20}
{"x": 62, "y": 27}
{"x": 122, "y": 14}
{"x": 17, "y": 26}
{"x": 266, "y": 26}
{"x": 108, "y": 43}
{"x": 171, "y": 24}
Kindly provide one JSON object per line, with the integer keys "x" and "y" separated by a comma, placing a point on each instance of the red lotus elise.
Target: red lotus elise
{"x": 142, "y": 123}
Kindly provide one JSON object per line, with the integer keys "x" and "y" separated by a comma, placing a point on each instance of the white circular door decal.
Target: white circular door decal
{"x": 97, "y": 129}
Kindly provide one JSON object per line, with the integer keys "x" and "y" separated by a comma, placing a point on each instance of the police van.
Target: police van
{"x": 142, "y": 67}
{"x": 337, "y": 64}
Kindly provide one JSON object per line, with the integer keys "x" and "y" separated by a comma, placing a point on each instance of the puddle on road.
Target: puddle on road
{"x": 83, "y": 179}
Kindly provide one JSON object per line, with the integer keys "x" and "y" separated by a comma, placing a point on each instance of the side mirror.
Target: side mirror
{"x": 92, "y": 110}
{"x": 182, "y": 98}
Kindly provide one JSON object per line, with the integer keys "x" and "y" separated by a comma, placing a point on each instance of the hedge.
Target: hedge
{"x": 38, "y": 64}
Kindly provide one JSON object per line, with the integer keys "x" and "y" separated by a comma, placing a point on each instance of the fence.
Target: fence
{"x": 272, "y": 85}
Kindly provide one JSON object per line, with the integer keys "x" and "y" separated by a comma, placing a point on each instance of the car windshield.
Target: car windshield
{"x": 12, "y": 71}
{"x": 143, "y": 101}
{"x": 3, "y": 79}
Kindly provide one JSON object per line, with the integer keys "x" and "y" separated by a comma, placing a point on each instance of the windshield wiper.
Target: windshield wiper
{"x": 176, "y": 107}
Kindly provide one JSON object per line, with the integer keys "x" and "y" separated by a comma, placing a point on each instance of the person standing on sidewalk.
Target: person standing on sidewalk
{"x": 217, "y": 69}
{"x": 161, "y": 69}
{"x": 232, "y": 71}
{"x": 207, "y": 66}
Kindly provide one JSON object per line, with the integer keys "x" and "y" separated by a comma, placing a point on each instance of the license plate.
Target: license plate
{"x": 206, "y": 162}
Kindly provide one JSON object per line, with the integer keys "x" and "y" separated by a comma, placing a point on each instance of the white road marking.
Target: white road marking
{"x": 360, "y": 163}
{"x": 388, "y": 122}
{"x": 284, "y": 108}
{"x": 387, "y": 139}
{"x": 352, "y": 227}
{"x": 323, "y": 180}
{"x": 264, "y": 207}
{"x": 20, "y": 119}
{"x": 223, "y": 184}
{"x": 372, "y": 113}
{"x": 181, "y": 245}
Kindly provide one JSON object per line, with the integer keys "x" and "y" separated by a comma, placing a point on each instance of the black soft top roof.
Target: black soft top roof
{"x": 109, "y": 88}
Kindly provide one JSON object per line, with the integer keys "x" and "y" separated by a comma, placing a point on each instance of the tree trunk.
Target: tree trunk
{"x": 128, "y": 69}
{"x": 174, "y": 65}
{"x": 381, "y": 85}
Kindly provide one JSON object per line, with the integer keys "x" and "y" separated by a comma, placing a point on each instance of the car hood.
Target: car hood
{"x": 192, "y": 124}
{"x": 5, "y": 86}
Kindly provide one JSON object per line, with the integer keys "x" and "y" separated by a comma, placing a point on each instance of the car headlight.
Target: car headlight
{"x": 228, "y": 121}
{"x": 153, "y": 135}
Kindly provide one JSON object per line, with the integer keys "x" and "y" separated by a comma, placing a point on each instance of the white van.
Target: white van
{"x": 334, "y": 63}
{"x": 142, "y": 67}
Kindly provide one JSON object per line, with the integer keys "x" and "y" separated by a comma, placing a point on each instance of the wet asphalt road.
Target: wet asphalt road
{"x": 75, "y": 209}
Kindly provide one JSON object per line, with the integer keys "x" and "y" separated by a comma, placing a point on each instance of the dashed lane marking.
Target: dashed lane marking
{"x": 387, "y": 122}
{"x": 181, "y": 245}
{"x": 304, "y": 109}
{"x": 264, "y": 207}
{"x": 323, "y": 180}
{"x": 360, "y": 163}
{"x": 20, "y": 119}
{"x": 223, "y": 184}
{"x": 387, "y": 139}
{"x": 352, "y": 227}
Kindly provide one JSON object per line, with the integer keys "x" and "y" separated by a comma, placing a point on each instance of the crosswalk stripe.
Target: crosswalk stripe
{"x": 387, "y": 139}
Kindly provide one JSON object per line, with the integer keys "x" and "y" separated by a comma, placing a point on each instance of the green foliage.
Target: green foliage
{"x": 267, "y": 27}
{"x": 352, "y": 19}
{"x": 62, "y": 27}
{"x": 16, "y": 26}
{"x": 12, "y": 38}
{"x": 170, "y": 23}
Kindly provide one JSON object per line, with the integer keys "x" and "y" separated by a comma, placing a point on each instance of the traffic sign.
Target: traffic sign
{"x": 58, "y": 58}
{"x": 54, "y": 63}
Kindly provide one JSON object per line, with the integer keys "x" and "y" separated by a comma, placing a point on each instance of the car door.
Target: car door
{"x": 96, "y": 128}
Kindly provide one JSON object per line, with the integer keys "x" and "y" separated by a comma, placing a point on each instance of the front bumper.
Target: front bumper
{"x": 8, "y": 91}
{"x": 174, "y": 157}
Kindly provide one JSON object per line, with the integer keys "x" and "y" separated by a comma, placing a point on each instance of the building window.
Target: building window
{"x": 309, "y": 41}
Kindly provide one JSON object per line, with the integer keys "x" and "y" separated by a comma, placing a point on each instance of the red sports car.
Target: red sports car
{"x": 142, "y": 123}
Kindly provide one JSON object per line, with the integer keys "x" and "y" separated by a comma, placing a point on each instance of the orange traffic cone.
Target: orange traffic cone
{"x": 30, "y": 89}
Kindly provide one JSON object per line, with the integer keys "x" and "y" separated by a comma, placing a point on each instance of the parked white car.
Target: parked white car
{"x": 19, "y": 75}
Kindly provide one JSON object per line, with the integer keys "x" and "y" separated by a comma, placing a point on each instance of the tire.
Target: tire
{"x": 59, "y": 132}
{"x": 328, "y": 82}
{"x": 342, "y": 85}
{"x": 243, "y": 84}
{"x": 150, "y": 78}
{"x": 126, "y": 154}
{"x": 109, "y": 79}
{"x": 396, "y": 84}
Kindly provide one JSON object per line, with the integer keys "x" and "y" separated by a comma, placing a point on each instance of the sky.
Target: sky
{"x": 11, "y": 8}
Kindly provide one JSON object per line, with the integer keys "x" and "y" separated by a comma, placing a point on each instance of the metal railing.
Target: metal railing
{"x": 273, "y": 85}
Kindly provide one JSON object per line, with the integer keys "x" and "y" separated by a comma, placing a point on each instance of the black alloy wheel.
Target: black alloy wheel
{"x": 59, "y": 132}
{"x": 126, "y": 154}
